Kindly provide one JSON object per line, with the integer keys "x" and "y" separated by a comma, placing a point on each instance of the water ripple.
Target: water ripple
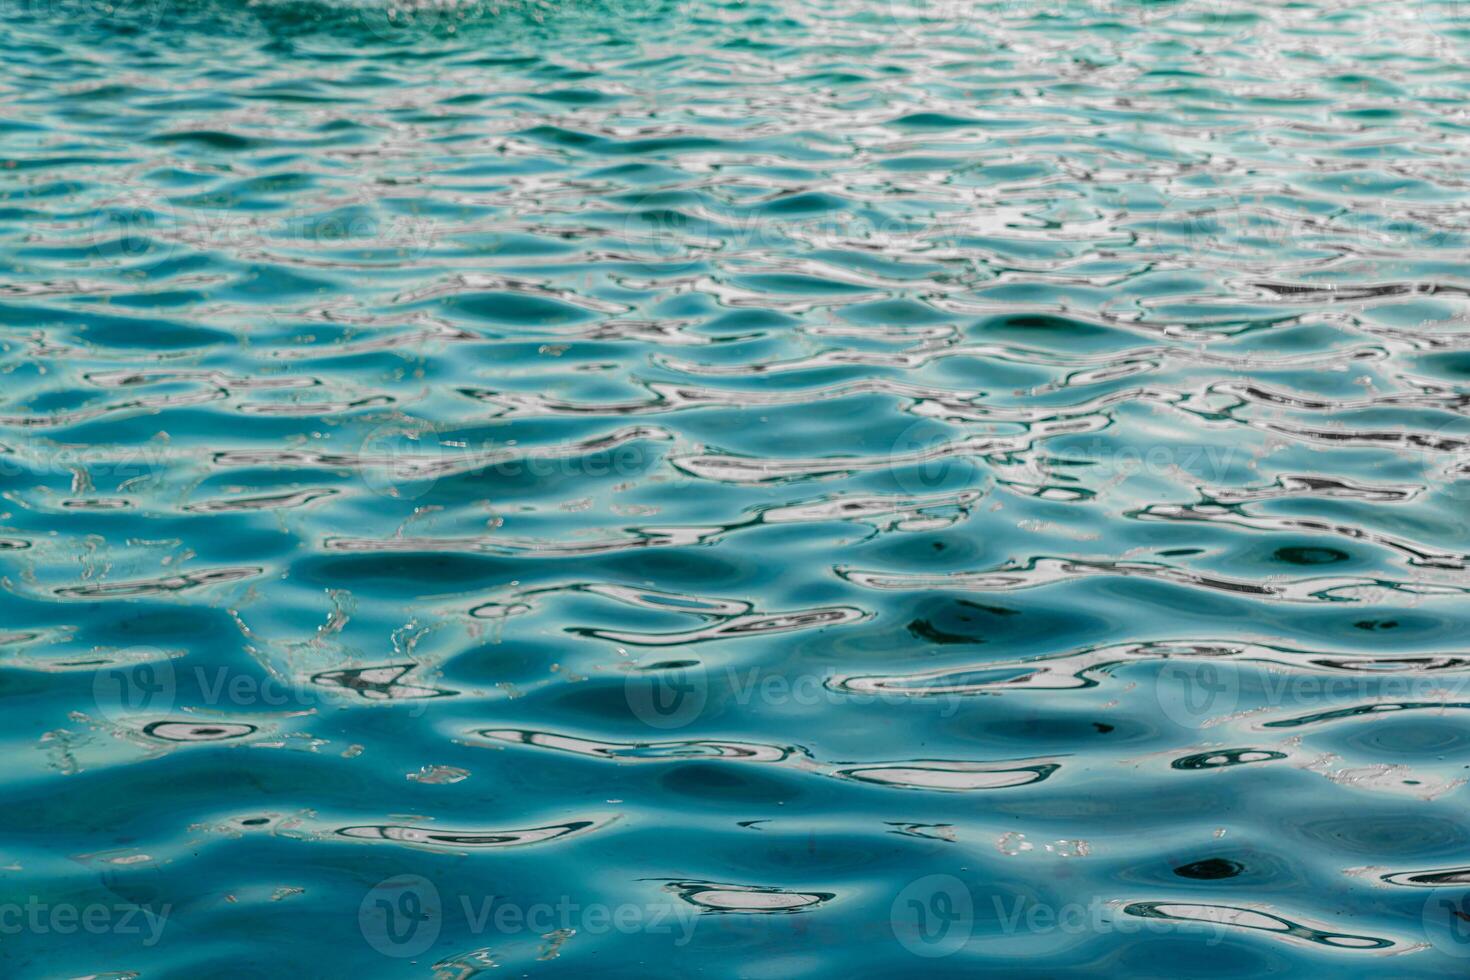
{"x": 752, "y": 489}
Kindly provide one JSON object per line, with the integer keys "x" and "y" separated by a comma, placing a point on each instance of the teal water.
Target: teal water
{"x": 840, "y": 487}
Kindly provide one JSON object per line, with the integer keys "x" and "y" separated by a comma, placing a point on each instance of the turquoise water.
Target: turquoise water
{"x": 735, "y": 489}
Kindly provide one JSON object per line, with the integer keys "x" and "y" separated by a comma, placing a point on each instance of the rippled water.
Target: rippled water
{"x": 737, "y": 489}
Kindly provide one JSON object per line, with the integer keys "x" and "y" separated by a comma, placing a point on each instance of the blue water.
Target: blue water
{"x": 735, "y": 489}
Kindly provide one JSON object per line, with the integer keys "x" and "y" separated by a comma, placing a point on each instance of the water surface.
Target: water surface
{"x": 836, "y": 487}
